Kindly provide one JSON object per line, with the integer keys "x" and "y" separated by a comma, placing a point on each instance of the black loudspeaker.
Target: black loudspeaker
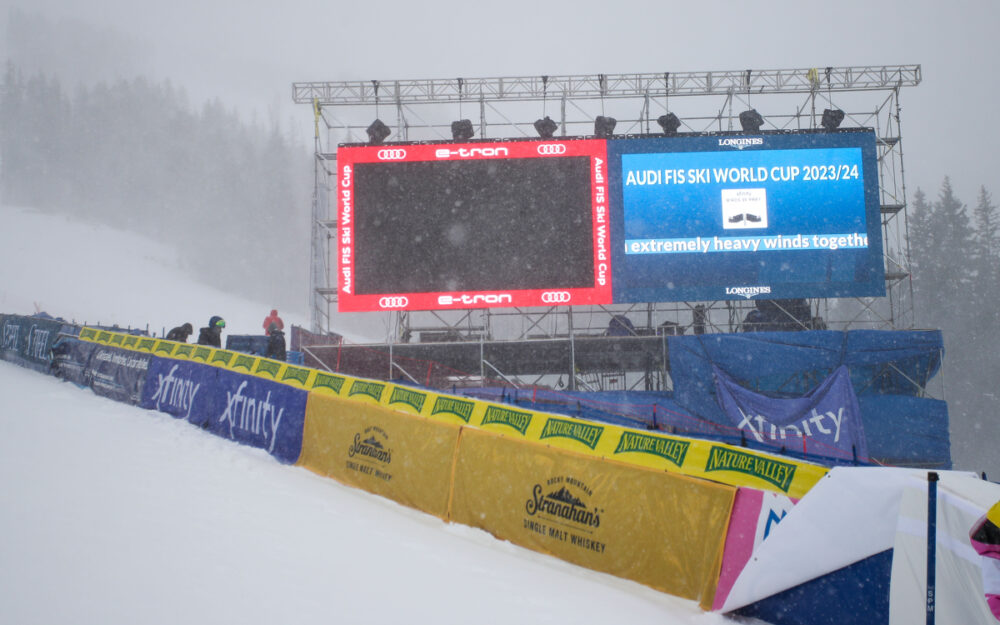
{"x": 832, "y": 118}
{"x": 377, "y": 132}
{"x": 751, "y": 121}
{"x": 669, "y": 123}
{"x": 545, "y": 127}
{"x": 462, "y": 130}
{"x": 604, "y": 126}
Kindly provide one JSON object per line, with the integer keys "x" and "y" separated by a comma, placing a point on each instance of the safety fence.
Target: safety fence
{"x": 639, "y": 504}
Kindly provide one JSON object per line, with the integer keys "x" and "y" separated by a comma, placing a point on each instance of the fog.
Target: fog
{"x": 245, "y": 56}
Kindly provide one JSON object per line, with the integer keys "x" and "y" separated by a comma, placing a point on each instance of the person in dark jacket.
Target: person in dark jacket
{"x": 275, "y": 342}
{"x": 180, "y": 333}
{"x": 212, "y": 335}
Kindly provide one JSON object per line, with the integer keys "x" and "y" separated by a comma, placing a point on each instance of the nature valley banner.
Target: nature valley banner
{"x": 383, "y": 451}
{"x": 826, "y": 421}
{"x": 657, "y": 528}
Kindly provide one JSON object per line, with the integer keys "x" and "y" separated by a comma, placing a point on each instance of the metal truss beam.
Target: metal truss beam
{"x": 595, "y": 86}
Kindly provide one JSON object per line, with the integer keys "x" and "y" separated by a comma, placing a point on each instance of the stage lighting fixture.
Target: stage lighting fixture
{"x": 462, "y": 130}
{"x": 604, "y": 126}
{"x": 377, "y": 132}
{"x": 669, "y": 123}
{"x": 832, "y": 118}
{"x": 545, "y": 127}
{"x": 751, "y": 120}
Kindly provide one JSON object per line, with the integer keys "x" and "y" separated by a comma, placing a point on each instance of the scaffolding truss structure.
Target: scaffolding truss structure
{"x": 704, "y": 102}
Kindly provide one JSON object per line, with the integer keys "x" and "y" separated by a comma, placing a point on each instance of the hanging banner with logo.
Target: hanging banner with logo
{"x": 259, "y": 413}
{"x": 826, "y": 421}
{"x": 659, "y": 529}
{"x": 182, "y": 389}
{"x": 28, "y": 341}
{"x": 117, "y": 374}
{"x": 405, "y": 458}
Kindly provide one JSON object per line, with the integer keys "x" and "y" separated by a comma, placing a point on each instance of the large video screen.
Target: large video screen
{"x": 774, "y": 215}
{"x": 476, "y": 225}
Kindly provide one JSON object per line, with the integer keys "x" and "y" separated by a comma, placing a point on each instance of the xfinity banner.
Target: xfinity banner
{"x": 182, "y": 389}
{"x": 779, "y": 215}
{"x": 258, "y": 413}
{"x": 828, "y": 417}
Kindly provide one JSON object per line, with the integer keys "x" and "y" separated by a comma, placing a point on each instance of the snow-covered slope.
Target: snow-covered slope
{"x": 112, "y": 514}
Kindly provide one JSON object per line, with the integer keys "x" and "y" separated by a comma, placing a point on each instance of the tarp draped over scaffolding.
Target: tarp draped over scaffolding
{"x": 826, "y": 418}
{"x": 888, "y": 372}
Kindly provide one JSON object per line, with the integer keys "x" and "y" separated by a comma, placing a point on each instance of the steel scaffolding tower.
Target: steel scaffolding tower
{"x": 506, "y": 107}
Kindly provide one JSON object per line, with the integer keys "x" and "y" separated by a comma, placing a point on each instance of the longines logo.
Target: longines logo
{"x": 747, "y": 291}
{"x": 740, "y": 142}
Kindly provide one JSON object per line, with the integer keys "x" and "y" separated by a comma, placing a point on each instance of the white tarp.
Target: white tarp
{"x": 851, "y": 514}
{"x": 959, "y": 594}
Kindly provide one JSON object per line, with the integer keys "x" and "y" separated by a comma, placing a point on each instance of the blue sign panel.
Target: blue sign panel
{"x": 118, "y": 374}
{"x": 774, "y": 216}
{"x": 182, "y": 389}
{"x": 259, "y": 413}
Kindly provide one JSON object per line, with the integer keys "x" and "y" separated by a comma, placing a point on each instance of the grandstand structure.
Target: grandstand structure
{"x": 522, "y": 346}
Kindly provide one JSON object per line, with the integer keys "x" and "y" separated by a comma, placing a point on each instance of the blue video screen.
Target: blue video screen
{"x": 768, "y": 216}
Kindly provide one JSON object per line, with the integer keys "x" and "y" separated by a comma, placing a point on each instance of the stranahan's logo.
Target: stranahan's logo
{"x": 772, "y": 471}
{"x": 561, "y": 503}
{"x": 374, "y": 444}
{"x": 673, "y": 450}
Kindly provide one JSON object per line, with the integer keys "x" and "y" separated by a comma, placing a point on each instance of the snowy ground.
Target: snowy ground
{"x": 112, "y": 514}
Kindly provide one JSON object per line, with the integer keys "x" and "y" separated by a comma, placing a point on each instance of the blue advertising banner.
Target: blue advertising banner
{"x": 28, "y": 341}
{"x": 183, "y": 389}
{"x": 825, "y": 421}
{"x": 772, "y": 216}
{"x": 70, "y": 358}
{"x": 118, "y": 374}
{"x": 259, "y": 413}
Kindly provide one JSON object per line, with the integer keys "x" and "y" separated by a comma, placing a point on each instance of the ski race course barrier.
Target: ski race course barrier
{"x": 641, "y": 505}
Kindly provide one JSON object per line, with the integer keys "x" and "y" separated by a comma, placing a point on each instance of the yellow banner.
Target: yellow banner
{"x": 662, "y": 530}
{"x": 718, "y": 462}
{"x": 405, "y": 458}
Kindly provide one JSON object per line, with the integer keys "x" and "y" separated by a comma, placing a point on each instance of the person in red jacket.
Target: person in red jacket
{"x": 275, "y": 319}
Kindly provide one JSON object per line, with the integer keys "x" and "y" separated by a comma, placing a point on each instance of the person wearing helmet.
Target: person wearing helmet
{"x": 212, "y": 335}
{"x": 985, "y": 539}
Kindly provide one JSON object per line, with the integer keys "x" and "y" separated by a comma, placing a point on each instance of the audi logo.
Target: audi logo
{"x": 550, "y": 149}
{"x": 556, "y": 297}
{"x": 397, "y": 301}
{"x": 391, "y": 154}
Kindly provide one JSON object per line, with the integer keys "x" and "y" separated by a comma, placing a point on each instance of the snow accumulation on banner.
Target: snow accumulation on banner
{"x": 825, "y": 420}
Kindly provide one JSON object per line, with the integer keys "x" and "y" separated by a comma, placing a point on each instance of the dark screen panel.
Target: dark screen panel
{"x": 477, "y": 225}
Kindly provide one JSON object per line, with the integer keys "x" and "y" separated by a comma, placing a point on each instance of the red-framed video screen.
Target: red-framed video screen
{"x": 472, "y": 225}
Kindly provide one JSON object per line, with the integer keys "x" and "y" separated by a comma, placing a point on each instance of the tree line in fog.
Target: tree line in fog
{"x": 233, "y": 198}
{"x": 955, "y": 265}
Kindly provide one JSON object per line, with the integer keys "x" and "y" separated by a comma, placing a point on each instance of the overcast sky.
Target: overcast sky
{"x": 249, "y": 53}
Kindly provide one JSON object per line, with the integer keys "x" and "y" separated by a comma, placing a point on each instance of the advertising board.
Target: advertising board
{"x": 473, "y": 225}
{"x": 769, "y": 216}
